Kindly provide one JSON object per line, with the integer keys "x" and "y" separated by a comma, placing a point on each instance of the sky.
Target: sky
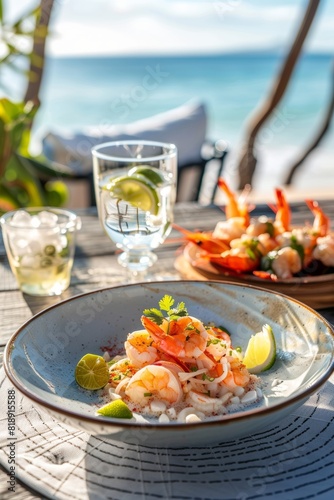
{"x": 124, "y": 27}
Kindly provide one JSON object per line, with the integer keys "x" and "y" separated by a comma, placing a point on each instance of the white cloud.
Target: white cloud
{"x": 180, "y": 26}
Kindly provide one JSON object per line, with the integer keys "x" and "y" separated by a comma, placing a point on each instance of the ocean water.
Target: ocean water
{"x": 80, "y": 92}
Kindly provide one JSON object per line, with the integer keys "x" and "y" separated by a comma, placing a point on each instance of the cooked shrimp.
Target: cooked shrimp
{"x": 261, "y": 225}
{"x": 236, "y": 259}
{"x": 298, "y": 237}
{"x": 229, "y": 229}
{"x": 121, "y": 370}
{"x": 321, "y": 221}
{"x": 286, "y": 263}
{"x": 324, "y": 251}
{"x": 237, "y": 376}
{"x": 154, "y": 382}
{"x": 266, "y": 243}
{"x": 139, "y": 348}
{"x": 184, "y": 338}
{"x": 235, "y": 207}
{"x": 203, "y": 402}
{"x": 243, "y": 256}
{"x": 206, "y": 241}
{"x": 218, "y": 342}
{"x": 283, "y": 212}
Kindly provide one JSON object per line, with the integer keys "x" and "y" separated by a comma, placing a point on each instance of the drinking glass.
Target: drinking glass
{"x": 135, "y": 187}
{"x": 40, "y": 244}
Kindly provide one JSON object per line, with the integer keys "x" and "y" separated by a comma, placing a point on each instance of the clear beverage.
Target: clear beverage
{"x": 41, "y": 274}
{"x": 40, "y": 248}
{"x": 130, "y": 227}
{"x": 135, "y": 186}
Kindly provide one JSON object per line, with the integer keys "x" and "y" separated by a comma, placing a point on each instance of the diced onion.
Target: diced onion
{"x": 122, "y": 383}
{"x": 249, "y": 397}
{"x": 183, "y": 376}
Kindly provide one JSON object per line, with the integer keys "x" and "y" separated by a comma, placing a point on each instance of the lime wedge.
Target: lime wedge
{"x": 139, "y": 193}
{"x": 115, "y": 409}
{"x": 152, "y": 174}
{"x": 260, "y": 354}
{"x": 92, "y": 372}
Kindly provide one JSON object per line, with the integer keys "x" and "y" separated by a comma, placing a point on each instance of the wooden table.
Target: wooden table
{"x": 95, "y": 266}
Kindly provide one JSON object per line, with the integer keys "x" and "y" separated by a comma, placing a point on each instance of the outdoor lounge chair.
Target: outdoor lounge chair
{"x": 200, "y": 161}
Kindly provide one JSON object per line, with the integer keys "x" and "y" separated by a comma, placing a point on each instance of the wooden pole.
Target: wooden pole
{"x": 38, "y": 53}
{"x": 247, "y": 162}
{"x": 325, "y": 125}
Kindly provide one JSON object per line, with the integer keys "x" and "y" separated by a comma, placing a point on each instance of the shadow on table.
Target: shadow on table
{"x": 273, "y": 462}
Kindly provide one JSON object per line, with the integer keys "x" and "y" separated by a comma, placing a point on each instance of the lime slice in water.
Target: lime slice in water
{"x": 115, "y": 409}
{"x": 92, "y": 372}
{"x": 139, "y": 193}
{"x": 152, "y": 174}
{"x": 260, "y": 354}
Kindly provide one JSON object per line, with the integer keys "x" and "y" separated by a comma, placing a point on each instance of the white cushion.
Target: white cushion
{"x": 184, "y": 126}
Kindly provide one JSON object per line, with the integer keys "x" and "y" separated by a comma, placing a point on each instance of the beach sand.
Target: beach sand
{"x": 314, "y": 179}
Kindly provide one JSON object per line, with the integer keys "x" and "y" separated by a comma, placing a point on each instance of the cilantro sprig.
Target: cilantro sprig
{"x": 166, "y": 311}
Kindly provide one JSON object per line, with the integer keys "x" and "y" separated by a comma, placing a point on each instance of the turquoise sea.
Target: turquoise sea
{"x": 80, "y": 92}
{"x": 83, "y": 92}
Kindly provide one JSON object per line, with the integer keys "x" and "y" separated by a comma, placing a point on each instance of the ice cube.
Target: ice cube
{"x": 47, "y": 219}
{"x": 35, "y": 222}
{"x": 18, "y": 245}
{"x": 21, "y": 218}
{"x": 34, "y": 246}
{"x": 58, "y": 241}
{"x": 30, "y": 261}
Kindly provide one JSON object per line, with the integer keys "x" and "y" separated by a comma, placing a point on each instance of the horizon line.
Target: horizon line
{"x": 268, "y": 52}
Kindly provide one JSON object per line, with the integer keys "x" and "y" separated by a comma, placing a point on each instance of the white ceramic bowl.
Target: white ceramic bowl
{"x": 41, "y": 356}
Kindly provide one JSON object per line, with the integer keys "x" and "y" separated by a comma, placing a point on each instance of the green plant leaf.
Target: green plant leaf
{"x": 8, "y": 201}
{"x": 47, "y": 169}
{"x": 26, "y": 182}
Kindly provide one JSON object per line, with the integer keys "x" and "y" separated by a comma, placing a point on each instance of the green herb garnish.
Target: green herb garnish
{"x": 166, "y": 305}
{"x": 298, "y": 247}
{"x": 212, "y": 341}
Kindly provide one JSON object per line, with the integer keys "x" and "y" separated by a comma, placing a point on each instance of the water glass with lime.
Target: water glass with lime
{"x": 135, "y": 187}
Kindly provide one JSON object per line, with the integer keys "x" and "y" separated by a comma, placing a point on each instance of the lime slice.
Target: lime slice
{"x": 152, "y": 174}
{"x": 139, "y": 193}
{"x": 260, "y": 354}
{"x": 115, "y": 409}
{"x": 92, "y": 372}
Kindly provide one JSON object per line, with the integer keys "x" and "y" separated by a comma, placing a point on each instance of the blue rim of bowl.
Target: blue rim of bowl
{"x": 229, "y": 418}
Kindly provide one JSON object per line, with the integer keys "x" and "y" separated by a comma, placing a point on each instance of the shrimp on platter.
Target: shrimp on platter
{"x": 283, "y": 263}
{"x": 244, "y": 255}
{"x": 236, "y": 206}
{"x": 283, "y": 212}
{"x": 228, "y": 230}
{"x": 324, "y": 251}
{"x": 204, "y": 240}
{"x": 271, "y": 248}
{"x": 237, "y": 215}
{"x": 321, "y": 221}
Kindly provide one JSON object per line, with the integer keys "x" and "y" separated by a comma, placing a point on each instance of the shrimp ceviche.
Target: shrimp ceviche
{"x": 269, "y": 248}
{"x": 179, "y": 369}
